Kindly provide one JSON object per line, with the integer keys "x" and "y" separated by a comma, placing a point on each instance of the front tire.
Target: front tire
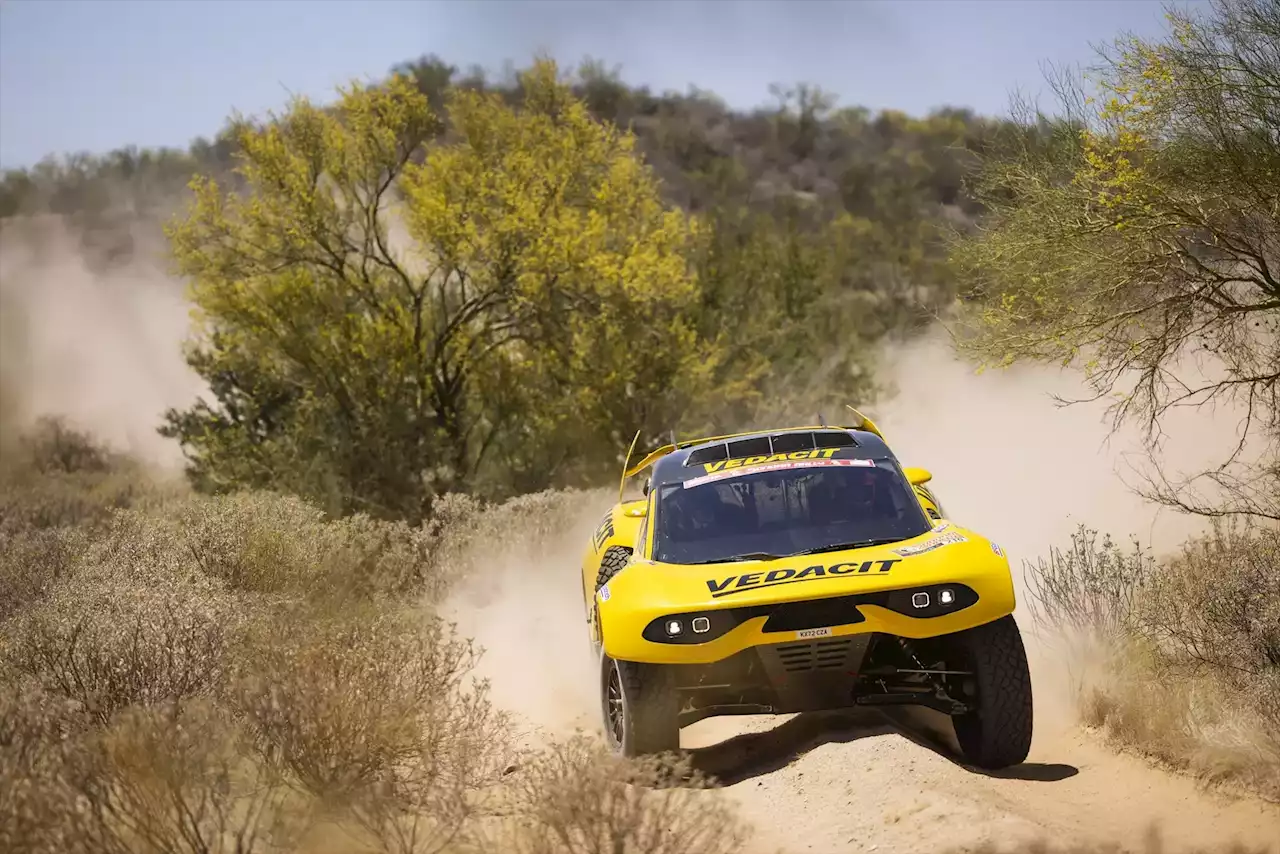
{"x": 639, "y": 706}
{"x": 997, "y": 732}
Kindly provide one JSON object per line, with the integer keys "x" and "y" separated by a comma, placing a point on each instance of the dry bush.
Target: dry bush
{"x": 178, "y": 779}
{"x": 1089, "y": 585}
{"x": 1181, "y": 658}
{"x": 265, "y": 543}
{"x": 108, "y": 640}
{"x": 373, "y": 712}
{"x": 38, "y": 810}
{"x": 53, "y": 476}
{"x": 1216, "y": 607}
{"x": 31, "y": 564}
{"x": 577, "y": 798}
{"x": 474, "y": 535}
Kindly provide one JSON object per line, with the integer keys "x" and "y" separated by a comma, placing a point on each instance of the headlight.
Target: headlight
{"x": 935, "y": 600}
{"x": 691, "y": 627}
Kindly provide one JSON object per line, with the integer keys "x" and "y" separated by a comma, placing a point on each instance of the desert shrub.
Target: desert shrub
{"x": 37, "y": 804}
{"x": 370, "y": 701}
{"x": 274, "y": 547}
{"x": 178, "y": 780}
{"x": 125, "y": 654}
{"x": 1181, "y": 655}
{"x": 31, "y": 562}
{"x": 1216, "y": 605}
{"x": 266, "y": 543}
{"x": 111, "y": 636}
{"x": 473, "y": 534}
{"x": 54, "y": 476}
{"x": 577, "y": 798}
{"x": 1089, "y": 584}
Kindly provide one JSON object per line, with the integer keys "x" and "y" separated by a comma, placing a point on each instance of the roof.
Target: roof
{"x": 693, "y": 460}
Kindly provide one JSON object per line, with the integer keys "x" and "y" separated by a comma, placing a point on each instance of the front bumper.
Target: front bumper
{"x": 636, "y": 630}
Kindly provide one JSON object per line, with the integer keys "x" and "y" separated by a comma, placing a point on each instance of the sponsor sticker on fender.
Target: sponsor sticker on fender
{"x": 778, "y": 466}
{"x": 947, "y": 539}
{"x": 604, "y": 593}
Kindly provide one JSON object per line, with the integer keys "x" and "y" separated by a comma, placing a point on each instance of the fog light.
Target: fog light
{"x": 701, "y": 624}
{"x": 674, "y": 627}
{"x": 920, "y": 600}
{"x": 946, "y": 597}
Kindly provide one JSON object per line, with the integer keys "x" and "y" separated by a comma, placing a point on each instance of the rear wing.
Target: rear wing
{"x": 860, "y": 422}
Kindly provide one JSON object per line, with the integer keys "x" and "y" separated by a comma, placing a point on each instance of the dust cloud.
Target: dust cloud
{"x": 521, "y": 601}
{"x": 94, "y": 339}
{"x": 1011, "y": 462}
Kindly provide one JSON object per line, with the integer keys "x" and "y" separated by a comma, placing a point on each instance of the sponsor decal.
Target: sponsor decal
{"x": 777, "y": 577}
{"x": 818, "y": 454}
{"x": 604, "y": 593}
{"x": 812, "y": 633}
{"x": 604, "y": 532}
{"x": 996, "y": 548}
{"x": 932, "y": 543}
{"x": 782, "y": 464}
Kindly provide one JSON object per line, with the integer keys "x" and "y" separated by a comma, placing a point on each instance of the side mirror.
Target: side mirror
{"x": 917, "y": 476}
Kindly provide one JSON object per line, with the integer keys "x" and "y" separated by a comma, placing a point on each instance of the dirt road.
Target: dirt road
{"x": 836, "y": 783}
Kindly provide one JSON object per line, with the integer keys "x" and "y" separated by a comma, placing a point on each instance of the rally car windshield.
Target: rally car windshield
{"x": 768, "y": 514}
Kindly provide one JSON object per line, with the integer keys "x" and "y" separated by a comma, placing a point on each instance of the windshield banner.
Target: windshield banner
{"x": 767, "y": 467}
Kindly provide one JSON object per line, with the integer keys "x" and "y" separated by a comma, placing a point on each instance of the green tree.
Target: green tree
{"x": 383, "y": 318}
{"x": 1138, "y": 235}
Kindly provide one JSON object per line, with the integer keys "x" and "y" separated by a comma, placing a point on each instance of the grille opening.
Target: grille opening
{"x": 814, "y": 614}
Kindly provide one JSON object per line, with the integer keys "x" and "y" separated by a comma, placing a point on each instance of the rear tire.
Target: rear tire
{"x": 997, "y": 733}
{"x": 639, "y": 706}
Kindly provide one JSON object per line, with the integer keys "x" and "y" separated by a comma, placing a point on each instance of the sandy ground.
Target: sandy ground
{"x": 849, "y": 783}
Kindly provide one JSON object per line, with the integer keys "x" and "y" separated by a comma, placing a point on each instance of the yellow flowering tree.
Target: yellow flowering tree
{"x": 386, "y": 310}
{"x": 1138, "y": 236}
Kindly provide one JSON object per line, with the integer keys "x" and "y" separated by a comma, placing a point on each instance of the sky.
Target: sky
{"x": 93, "y": 75}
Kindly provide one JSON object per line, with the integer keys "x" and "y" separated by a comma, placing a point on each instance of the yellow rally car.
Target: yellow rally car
{"x": 799, "y": 570}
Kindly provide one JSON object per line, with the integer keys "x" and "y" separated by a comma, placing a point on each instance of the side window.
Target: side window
{"x": 640, "y": 537}
{"x": 928, "y": 496}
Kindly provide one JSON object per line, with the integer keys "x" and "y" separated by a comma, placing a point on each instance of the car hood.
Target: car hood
{"x": 947, "y": 552}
